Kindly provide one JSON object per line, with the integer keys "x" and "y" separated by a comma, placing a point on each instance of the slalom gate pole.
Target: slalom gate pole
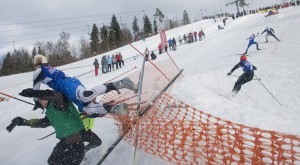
{"x": 16, "y": 98}
{"x": 173, "y": 60}
{"x": 268, "y": 91}
{"x": 140, "y": 85}
{"x": 150, "y": 62}
{"x": 112, "y": 147}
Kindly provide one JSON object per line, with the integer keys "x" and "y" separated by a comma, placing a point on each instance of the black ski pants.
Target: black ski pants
{"x": 90, "y": 137}
{"x": 67, "y": 154}
{"x": 244, "y": 78}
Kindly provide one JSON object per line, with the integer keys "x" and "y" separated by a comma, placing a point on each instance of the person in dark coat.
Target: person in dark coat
{"x": 247, "y": 76}
{"x": 270, "y": 32}
{"x": 96, "y": 64}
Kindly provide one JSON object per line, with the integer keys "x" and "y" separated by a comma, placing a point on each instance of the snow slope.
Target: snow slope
{"x": 205, "y": 86}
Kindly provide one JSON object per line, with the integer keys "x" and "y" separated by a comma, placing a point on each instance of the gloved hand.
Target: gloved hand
{"x": 15, "y": 122}
{"x": 18, "y": 121}
{"x": 229, "y": 73}
{"x": 37, "y": 105}
{"x": 29, "y": 92}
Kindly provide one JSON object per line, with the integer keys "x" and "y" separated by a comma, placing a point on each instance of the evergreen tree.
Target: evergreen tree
{"x": 155, "y": 26}
{"x": 33, "y": 52}
{"x": 104, "y": 43}
{"x": 40, "y": 51}
{"x": 126, "y": 35}
{"x": 95, "y": 41}
{"x": 185, "y": 20}
{"x": 147, "y": 26}
{"x": 160, "y": 16}
{"x": 115, "y": 33}
{"x": 135, "y": 28}
{"x": 7, "y": 67}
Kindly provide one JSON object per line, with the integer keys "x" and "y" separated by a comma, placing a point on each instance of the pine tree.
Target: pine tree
{"x": 95, "y": 41}
{"x": 135, "y": 28}
{"x": 155, "y": 26}
{"x": 33, "y": 52}
{"x": 185, "y": 20}
{"x": 104, "y": 43}
{"x": 147, "y": 26}
{"x": 115, "y": 33}
{"x": 7, "y": 67}
{"x": 160, "y": 16}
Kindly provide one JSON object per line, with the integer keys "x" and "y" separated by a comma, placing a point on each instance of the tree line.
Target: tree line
{"x": 102, "y": 39}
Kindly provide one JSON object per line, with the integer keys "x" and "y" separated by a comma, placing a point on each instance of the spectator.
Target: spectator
{"x": 109, "y": 62}
{"x": 96, "y": 64}
{"x": 118, "y": 57}
{"x": 153, "y": 56}
{"x": 160, "y": 48}
{"x": 122, "y": 61}
{"x": 147, "y": 54}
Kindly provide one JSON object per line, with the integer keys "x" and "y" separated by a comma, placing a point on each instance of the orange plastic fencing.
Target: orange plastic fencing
{"x": 181, "y": 134}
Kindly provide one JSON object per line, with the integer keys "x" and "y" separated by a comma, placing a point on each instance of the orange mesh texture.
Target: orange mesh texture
{"x": 181, "y": 134}
{"x": 176, "y": 132}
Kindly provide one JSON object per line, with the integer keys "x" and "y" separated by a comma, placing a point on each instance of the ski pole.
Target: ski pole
{"x": 252, "y": 79}
{"x": 16, "y": 98}
{"x": 268, "y": 91}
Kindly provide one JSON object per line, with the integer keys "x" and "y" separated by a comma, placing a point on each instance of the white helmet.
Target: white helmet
{"x": 39, "y": 60}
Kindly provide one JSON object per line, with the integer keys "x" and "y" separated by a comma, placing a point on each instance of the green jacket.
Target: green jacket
{"x": 61, "y": 114}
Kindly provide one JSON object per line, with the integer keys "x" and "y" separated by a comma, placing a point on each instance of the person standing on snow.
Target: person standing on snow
{"x": 251, "y": 42}
{"x": 247, "y": 76}
{"x": 73, "y": 89}
{"x": 63, "y": 116}
{"x": 96, "y": 64}
{"x": 270, "y": 32}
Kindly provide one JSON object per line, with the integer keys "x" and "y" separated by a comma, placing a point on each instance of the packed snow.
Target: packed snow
{"x": 205, "y": 86}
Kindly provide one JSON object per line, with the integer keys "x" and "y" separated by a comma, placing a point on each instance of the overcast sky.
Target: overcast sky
{"x": 24, "y": 22}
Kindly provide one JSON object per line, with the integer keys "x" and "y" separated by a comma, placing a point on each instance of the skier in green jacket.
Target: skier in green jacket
{"x": 63, "y": 116}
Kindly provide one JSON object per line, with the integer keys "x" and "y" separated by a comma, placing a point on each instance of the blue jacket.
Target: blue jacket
{"x": 268, "y": 30}
{"x": 245, "y": 65}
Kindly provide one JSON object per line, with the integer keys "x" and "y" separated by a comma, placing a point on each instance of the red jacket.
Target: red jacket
{"x": 118, "y": 57}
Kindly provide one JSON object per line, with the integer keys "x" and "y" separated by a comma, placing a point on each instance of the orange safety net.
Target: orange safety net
{"x": 181, "y": 134}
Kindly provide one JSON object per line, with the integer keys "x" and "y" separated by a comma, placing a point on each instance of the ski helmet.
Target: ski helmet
{"x": 39, "y": 59}
{"x": 243, "y": 58}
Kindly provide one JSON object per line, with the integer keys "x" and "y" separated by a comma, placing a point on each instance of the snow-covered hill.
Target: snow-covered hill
{"x": 205, "y": 86}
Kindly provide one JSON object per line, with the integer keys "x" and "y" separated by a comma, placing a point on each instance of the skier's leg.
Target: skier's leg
{"x": 267, "y": 37}
{"x": 239, "y": 83}
{"x": 89, "y": 95}
{"x": 256, "y": 45}
{"x": 275, "y": 37}
{"x": 90, "y": 137}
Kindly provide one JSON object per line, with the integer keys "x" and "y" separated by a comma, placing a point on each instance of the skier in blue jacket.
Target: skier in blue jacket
{"x": 270, "y": 32}
{"x": 246, "y": 76}
{"x": 74, "y": 90}
{"x": 251, "y": 42}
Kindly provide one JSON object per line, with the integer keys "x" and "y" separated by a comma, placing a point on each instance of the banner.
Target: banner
{"x": 163, "y": 37}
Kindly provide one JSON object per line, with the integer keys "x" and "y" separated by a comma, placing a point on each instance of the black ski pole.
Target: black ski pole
{"x": 252, "y": 79}
{"x": 16, "y": 98}
{"x": 268, "y": 91}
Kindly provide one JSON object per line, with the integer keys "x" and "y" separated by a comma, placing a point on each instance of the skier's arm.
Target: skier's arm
{"x": 272, "y": 30}
{"x": 235, "y": 67}
{"x": 37, "y": 79}
{"x": 254, "y": 68}
{"x": 59, "y": 101}
{"x": 263, "y": 31}
{"x": 34, "y": 123}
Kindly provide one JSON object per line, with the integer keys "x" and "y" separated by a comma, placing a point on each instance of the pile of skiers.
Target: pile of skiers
{"x": 72, "y": 126}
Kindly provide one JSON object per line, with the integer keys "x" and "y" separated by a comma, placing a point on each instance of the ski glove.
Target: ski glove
{"x": 15, "y": 122}
{"x": 229, "y": 73}
{"x": 29, "y": 92}
{"x": 18, "y": 121}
